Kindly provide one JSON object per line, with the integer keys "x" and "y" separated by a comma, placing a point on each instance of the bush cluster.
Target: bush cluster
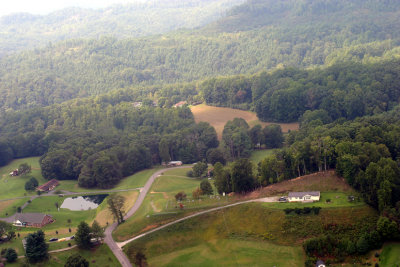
{"x": 305, "y": 210}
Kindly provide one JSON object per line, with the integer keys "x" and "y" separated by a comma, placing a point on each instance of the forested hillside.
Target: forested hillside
{"x": 25, "y": 31}
{"x": 286, "y": 35}
{"x": 98, "y": 143}
{"x": 343, "y": 90}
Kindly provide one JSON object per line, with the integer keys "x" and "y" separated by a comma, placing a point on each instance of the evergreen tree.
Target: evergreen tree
{"x": 36, "y": 247}
{"x": 82, "y": 236}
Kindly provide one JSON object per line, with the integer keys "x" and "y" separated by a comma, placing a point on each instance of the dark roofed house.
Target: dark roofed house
{"x": 50, "y": 185}
{"x": 32, "y": 219}
{"x": 304, "y": 196}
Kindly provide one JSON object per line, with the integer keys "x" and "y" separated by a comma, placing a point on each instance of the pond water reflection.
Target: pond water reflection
{"x": 83, "y": 202}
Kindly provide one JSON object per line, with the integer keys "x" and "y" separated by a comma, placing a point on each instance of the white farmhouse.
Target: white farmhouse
{"x": 304, "y": 196}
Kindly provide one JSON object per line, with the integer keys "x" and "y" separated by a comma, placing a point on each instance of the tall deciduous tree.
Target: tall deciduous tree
{"x": 199, "y": 168}
{"x": 273, "y": 137}
{"x": 24, "y": 168}
{"x": 242, "y": 176}
{"x": 96, "y": 230}
{"x": 116, "y": 206}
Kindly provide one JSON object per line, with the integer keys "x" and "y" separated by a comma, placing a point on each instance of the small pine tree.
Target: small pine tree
{"x": 11, "y": 255}
{"x": 82, "y": 236}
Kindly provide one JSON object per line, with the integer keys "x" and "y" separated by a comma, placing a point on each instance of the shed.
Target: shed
{"x": 50, "y": 185}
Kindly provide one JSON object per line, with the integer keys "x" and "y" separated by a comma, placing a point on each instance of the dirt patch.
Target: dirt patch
{"x": 149, "y": 227}
{"x": 218, "y": 117}
{"x": 154, "y": 207}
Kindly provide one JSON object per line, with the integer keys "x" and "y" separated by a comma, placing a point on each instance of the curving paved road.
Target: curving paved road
{"x": 122, "y": 258}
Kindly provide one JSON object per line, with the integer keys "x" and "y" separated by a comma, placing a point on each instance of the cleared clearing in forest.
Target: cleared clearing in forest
{"x": 218, "y": 117}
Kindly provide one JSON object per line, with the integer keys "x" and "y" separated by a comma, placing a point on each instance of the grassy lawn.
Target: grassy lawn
{"x": 15, "y": 243}
{"x": 47, "y": 205}
{"x": 134, "y": 181}
{"x": 177, "y": 172}
{"x": 337, "y": 199}
{"x": 97, "y": 257}
{"x": 245, "y": 235}
{"x": 11, "y": 187}
{"x": 228, "y": 252}
{"x": 9, "y": 207}
{"x": 72, "y": 186}
{"x": 258, "y": 155}
{"x": 218, "y": 117}
{"x": 390, "y": 255}
{"x": 160, "y": 205}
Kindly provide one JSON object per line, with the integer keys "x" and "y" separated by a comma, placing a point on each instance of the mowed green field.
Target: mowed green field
{"x": 97, "y": 257}
{"x": 160, "y": 206}
{"x": 390, "y": 256}
{"x": 227, "y": 252}
{"x": 9, "y": 207}
{"x": 244, "y": 235}
{"x": 14, "y": 186}
{"x": 218, "y": 117}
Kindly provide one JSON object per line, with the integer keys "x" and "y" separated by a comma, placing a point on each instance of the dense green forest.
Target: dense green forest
{"x": 286, "y": 35}
{"x": 98, "y": 143}
{"x": 24, "y": 31}
{"x": 344, "y": 90}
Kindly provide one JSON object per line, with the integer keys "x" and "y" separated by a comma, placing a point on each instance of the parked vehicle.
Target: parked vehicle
{"x": 53, "y": 239}
{"x": 282, "y": 199}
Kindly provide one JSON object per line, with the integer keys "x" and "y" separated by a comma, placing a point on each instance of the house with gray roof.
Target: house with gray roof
{"x": 310, "y": 196}
{"x": 32, "y": 219}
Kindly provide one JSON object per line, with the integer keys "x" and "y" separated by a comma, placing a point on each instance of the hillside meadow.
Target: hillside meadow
{"x": 219, "y": 116}
{"x": 245, "y": 235}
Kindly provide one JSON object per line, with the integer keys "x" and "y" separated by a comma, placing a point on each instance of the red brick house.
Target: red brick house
{"x": 32, "y": 219}
{"x": 50, "y": 185}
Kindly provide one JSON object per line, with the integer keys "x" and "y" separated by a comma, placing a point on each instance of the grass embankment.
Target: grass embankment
{"x": 390, "y": 255}
{"x": 98, "y": 257}
{"x": 218, "y": 117}
{"x": 160, "y": 206}
{"x": 246, "y": 235}
{"x": 14, "y": 186}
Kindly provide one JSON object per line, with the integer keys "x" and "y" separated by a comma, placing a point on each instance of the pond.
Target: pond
{"x": 83, "y": 202}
